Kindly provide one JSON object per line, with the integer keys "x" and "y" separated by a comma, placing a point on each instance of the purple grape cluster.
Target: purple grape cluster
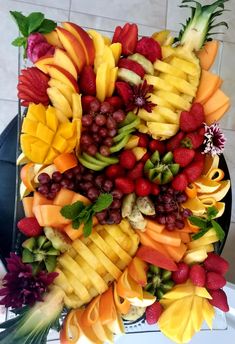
{"x": 169, "y": 211}
{"x": 100, "y": 125}
{"x": 88, "y": 183}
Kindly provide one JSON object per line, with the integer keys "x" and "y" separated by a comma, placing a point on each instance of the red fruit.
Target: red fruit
{"x": 152, "y": 256}
{"x": 148, "y": 47}
{"x": 115, "y": 101}
{"x": 32, "y": 87}
{"x": 201, "y": 131}
{"x": 87, "y": 81}
{"x": 193, "y": 119}
{"x": 128, "y": 38}
{"x": 116, "y": 34}
{"x": 137, "y": 171}
{"x": 183, "y": 156}
{"x": 153, "y": 313}
{"x": 132, "y": 65}
{"x": 143, "y": 140}
{"x": 197, "y": 275}
{"x": 120, "y": 32}
{"x": 182, "y": 274}
{"x": 86, "y": 100}
{"x": 192, "y": 140}
{"x": 146, "y": 156}
{"x": 155, "y": 189}
{"x": 175, "y": 141}
{"x": 216, "y": 263}
{"x": 143, "y": 187}
{"x": 219, "y": 299}
{"x": 199, "y": 157}
{"x": 214, "y": 280}
{"x": 180, "y": 182}
{"x": 127, "y": 159}
{"x": 29, "y": 226}
{"x": 114, "y": 171}
{"x": 126, "y": 185}
{"x": 124, "y": 90}
{"x": 193, "y": 171}
{"x": 157, "y": 145}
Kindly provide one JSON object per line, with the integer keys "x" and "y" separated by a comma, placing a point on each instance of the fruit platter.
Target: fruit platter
{"x": 124, "y": 190}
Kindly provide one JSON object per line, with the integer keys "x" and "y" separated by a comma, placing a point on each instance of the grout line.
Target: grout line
{"x": 8, "y": 100}
{"x": 47, "y": 5}
{"x": 167, "y": 6}
{"x": 70, "y": 5}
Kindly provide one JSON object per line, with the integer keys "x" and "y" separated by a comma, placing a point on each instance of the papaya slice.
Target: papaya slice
{"x": 208, "y": 54}
{"x": 215, "y": 102}
{"x": 218, "y": 114}
{"x": 209, "y": 83}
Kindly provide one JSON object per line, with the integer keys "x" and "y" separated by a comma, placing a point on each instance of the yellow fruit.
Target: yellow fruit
{"x": 220, "y": 193}
{"x": 159, "y": 83}
{"x": 108, "y": 57}
{"x": 116, "y": 49}
{"x": 161, "y": 36}
{"x": 208, "y": 312}
{"x": 59, "y": 101}
{"x": 211, "y": 162}
{"x": 220, "y": 206}
{"x": 162, "y": 129}
{"x": 162, "y": 66}
{"x": 102, "y": 79}
{"x": 206, "y": 185}
{"x": 195, "y": 205}
{"x": 63, "y": 88}
{"x": 133, "y": 142}
{"x": 174, "y": 99}
{"x": 77, "y": 105}
{"x": 111, "y": 83}
{"x": 197, "y": 255}
{"x": 98, "y": 41}
{"x": 185, "y": 66}
{"x": 181, "y": 85}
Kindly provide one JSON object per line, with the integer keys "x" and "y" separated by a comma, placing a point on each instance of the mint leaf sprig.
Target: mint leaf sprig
{"x": 207, "y": 223}
{"x": 80, "y": 213}
{"x": 34, "y": 22}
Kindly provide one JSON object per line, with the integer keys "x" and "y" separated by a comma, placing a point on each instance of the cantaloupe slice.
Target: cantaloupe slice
{"x": 154, "y": 226}
{"x": 64, "y": 197}
{"x": 215, "y": 102}
{"x": 81, "y": 198}
{"x": 38, "y": 215}
{"x": 209, "y": 83}
{"x": 176, "y": 253}
{"x": 74, "y": 234}
{"x": 184, "y": 236}
{"x": 218, "y": 114}
{"x": 28, "y": 206}
{"x": 165, "y": 237}
{"x": 39, "y": 199}
{"x": 208, "y": 54}
{"x": 51, "y": 216}
{"x": 147, "y": 241}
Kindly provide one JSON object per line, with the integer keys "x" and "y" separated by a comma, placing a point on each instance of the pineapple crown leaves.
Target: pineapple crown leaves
{"x": 203, "y": 16}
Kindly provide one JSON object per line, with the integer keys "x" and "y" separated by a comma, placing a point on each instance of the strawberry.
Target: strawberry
{"x": 124, "y": 90}
{"x": 157, "y": 145}
{"x": 29, "y": 226}
{"x": 182, "y": 274}
{"x": 86, "y": 100}
{"x": 216, "y": 263}
{"x": 146, "y": 156}
{"x": 180, "y": 182}
{"x": 214, "y": 280}
{"x": 193, "y": 119}
{"x": 143, "y": 187}
{"x": 137, "y": 171}
{"x": 87, "y": 81}
{"x": 114, "y": 171}
{"x": 192, "y": 140}
{"x": 143, "y": 140}
{"x": 155, "y": 189}
{"x": 197, "y": 275}
{"x": 219, "y": 299}
{"x": 183, "y": 156}
{"x": 175, "y": 141}
{"x": 153, "y": 313}
{"x": 115, "y": 101}
{"x": 149, "y": 48}
{"x": 125, "y": 184}
{"x": 199, "y": 157}
{"x": 193, "y": 171}
{"x": 132, "y": 65}
{"x": 127, "y": 159}
{"x": 127, "y": 36}
{"x": 116, "y": 34}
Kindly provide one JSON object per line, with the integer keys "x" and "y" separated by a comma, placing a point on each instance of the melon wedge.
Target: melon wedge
{"x": 215, "y": 102}
{"x": 209, "y": 83}
{"x": 218, "y": 114}
{"x": 208, "y": 54}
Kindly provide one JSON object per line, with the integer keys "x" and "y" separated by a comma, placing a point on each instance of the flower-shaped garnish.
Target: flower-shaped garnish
{"x": 214, "y": 141}
{"x": 20, "y": 286}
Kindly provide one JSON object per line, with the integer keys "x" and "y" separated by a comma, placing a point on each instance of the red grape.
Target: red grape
{"x": 99, "y": 180}
{"x": 103, "y": 132}
{"x": 51, "y": 195}
{"x": 108, "y": 185}
{"x": 104, "y": 150}
{"x": 112, "y": 132}
{"x": 55, "y": 187}
{"x": 117, "y": 194}
{"x": 170, "y": 218}
{"x": 96, "y": 138}
{"x": 106, "y": 107}
{"x": 65, "y": 183}
{"x": 57, "y": 176}
{"x": 43, "y": 189}
{"x": 179, "y": 224}
{"x": 86, "y": 186}
{"x": 101, "y": 215}
{"x": 114, "y": 217}
{"x": 86, "y": 139}
{"x": 93, "y": 193}
{"x": 119, "y": 115}
{"x": 88, "y": 177}
{"x": 161, "y": 219}
{"x": 170, "y": 226}
{"x": 87, "y": 120}
{"x": 181, "y": 198}
{"x": 108, "y": 142}
{"x": 71, "y": 185}
{"x": 100, "y": 120}
{"x": 95, "y": 105}
{"x": 44, "y": 178}
{"x": 76, "y": 170}
{"x": 69, "y": 174}
{"x": 94, "y": 128}
{"x": 111, "y": 123}
{"x": 186, "y": 213}
{"x": 92, "y": 149}
{"x": 116, "y": 204}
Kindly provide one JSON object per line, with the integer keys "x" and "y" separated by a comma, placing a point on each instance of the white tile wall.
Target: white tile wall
{"x": 151, "y": 15}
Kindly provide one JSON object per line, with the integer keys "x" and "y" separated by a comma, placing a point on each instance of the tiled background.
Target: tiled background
{"x": 104, "y": 15}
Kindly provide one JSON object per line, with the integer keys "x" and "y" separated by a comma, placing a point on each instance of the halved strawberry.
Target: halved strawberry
{"x": 87, "y": 81}
{"x": 116, "y": 34}
{"x": 127, "y": 36}
{"x": 132, "y": 65}
{"x": 86, "y": 100}
{"x": 125, "y": 92}
{"x": 115, "y": 101}
{"x": 149, "y": 48}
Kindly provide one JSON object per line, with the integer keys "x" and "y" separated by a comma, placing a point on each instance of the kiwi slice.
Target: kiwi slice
{"x": 107, "y": 159}
{"x": 93, "y": 160}
{"x": 58, "y": 240}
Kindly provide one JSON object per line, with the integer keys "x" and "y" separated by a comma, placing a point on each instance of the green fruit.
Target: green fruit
{"x": 145, "y": 63}
{"x": 121, "y": 144}
{"x": 58, "y": 240}
{"x": 123, "y": 134}
{"x": 130, "y": 117}
{"x": 158, "y": 281}
{"x": 89, "y": 164}
{"x": 107, "y": 159}
{"x": 132, "y": 125}
{"x": 93, "y": 160}
{"x": 161, "y": 170}
{"x": 29, "y": 244}
{"x": 160, "y": 293}
{"x": 129, "y": 76}
{"x": 50, "y": 263}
